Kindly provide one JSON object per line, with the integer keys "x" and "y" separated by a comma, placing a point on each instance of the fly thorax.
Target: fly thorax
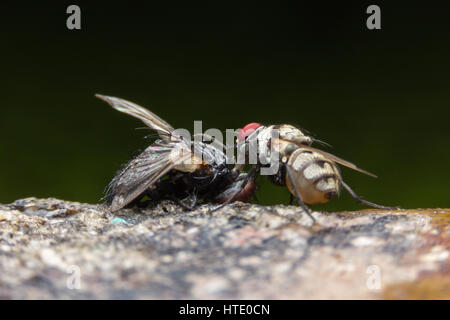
{"x": 293, "y": 134}
{"x": 284, "y": 149}
{"x": 268, "y": 146}
{"x": 209, "y": 154}
{"x": 183, "y": 159}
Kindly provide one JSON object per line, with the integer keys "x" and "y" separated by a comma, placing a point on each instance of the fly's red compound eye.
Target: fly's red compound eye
{"x": 248, "y": 130}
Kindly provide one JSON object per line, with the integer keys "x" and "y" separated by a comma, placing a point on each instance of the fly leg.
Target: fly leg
{"x": 193, "y": 201}
{"x": 181, "y": 204}
{"x": 297, "y": 195}
{"x": 250, "y": 176}
{"x": 365, "y": 202}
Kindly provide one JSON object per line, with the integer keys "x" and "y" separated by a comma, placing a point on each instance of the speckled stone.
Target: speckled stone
{"x": 51, "y": 249}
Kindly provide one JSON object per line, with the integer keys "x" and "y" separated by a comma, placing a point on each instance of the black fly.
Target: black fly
{"x": 170, "y": 169}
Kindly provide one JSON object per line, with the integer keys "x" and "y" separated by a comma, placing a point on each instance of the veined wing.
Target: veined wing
{"x": 149, "y": 118}
{"x": 336, "y": 159}
{"x": 141, "y": 173}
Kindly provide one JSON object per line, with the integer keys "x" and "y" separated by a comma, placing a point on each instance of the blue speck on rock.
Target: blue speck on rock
{"x": 119, "y": 220}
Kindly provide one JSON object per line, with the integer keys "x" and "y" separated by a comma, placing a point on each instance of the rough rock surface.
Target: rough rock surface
{"x": 56, "y": 249}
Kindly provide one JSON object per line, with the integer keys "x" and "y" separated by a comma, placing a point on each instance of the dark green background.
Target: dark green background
{"x": 379, "y": 97}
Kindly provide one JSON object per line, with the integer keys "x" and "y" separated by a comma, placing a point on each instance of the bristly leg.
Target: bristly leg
{"x": 297, "y": 195}
{"x": 181, "y": 203}
{"x": 194, "y": 199}
{"x": 250, "y": 176}
{"x": 365, "y": 202}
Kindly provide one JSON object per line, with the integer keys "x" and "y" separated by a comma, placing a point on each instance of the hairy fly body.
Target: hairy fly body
{"x": 171, "y": 169}
{"x": 310, "y": 174}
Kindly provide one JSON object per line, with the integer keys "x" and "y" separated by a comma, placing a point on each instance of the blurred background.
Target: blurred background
{"x": 380, "y": 98}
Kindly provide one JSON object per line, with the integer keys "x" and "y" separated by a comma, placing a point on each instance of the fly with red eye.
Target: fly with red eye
{"x": 310, "y": 174}
{"x": 247, "y": 130}
{"x": 169, "y": 169}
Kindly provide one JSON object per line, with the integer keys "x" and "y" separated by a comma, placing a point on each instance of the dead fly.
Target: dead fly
{"x": 310, "y": 174}
{"x": 170, "y": 169}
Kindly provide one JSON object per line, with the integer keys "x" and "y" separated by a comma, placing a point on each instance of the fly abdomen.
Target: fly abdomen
{"x": 316, "y": 178}
{"x": 329, "y": 185}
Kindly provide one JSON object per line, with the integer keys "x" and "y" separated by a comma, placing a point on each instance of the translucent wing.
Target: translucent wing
{"x": 338, "y": 160}
{"x": 149, "y": 118}
{"x": 140, "y": 173}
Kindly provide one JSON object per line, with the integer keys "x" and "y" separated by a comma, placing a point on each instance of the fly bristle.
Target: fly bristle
{"x": 331, "y": 195}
